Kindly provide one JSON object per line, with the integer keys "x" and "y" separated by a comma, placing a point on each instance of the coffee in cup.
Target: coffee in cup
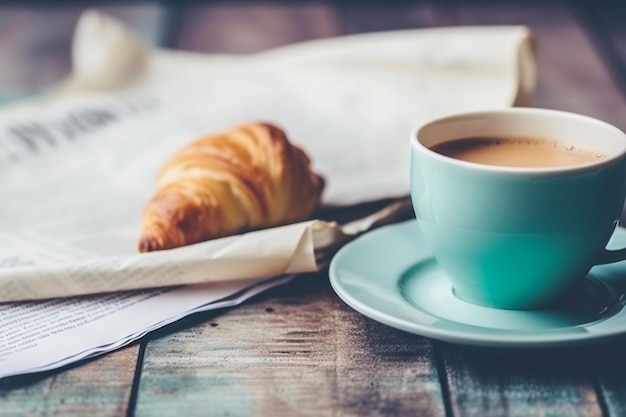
{"x": 517, "y": 152}
{"x": 511, "y": 234}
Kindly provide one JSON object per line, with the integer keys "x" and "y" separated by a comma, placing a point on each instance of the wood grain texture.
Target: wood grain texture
{"x": 245, "y": 28}
{"x": 371, "y": 16}
{"x": 605, "y": 25}
{"x": 522, "y": 383}
{"x": 97, "y": 388}
{"x": 607, "y": 364}
{"x": 571, "y": 74}
{"x": 296, "y": 351}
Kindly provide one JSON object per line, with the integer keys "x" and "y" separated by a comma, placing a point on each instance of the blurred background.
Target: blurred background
{"x": 35, "y": 36}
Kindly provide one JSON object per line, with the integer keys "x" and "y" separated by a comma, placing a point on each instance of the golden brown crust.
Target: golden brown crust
{"x": 245, "y": 178}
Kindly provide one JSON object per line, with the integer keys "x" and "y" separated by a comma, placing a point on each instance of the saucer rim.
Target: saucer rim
{"x": 468, "y": 335}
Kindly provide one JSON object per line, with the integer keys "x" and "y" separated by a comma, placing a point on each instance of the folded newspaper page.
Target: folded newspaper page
{"x": 78, "y": 163}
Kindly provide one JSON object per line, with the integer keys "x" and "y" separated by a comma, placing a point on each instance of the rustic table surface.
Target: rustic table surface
{"x": 297, "y": 349}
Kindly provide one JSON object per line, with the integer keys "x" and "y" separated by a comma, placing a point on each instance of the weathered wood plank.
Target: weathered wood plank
{"x": 606, "y": 363}
{"x": 98, "y": 388}
{"x": 246, "y": 28}
{"x": 296, "y": 351}
{"x": 605, "y": 23}
{"x": 572, "y": 76}
{"x": 611, "y": 381}
{"x": 35, "y": 42}
{"x": 500, "y": 383}
{"x": 372, "y": 16}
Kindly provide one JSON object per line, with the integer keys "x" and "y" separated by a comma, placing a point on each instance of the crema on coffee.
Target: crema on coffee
{"x": 517, "y": 152}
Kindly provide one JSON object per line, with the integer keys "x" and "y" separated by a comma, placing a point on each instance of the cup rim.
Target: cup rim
{"x": 609, "y": 160}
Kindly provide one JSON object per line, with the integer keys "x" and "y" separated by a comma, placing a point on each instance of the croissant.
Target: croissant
{"x": 246, "y": 178}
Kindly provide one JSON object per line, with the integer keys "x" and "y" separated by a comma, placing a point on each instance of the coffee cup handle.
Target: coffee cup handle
{"x": 610, "y": 256}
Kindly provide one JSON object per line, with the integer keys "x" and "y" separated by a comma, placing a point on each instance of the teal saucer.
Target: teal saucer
{"x": 389, "y": 275}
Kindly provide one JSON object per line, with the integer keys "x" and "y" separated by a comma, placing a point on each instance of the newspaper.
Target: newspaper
{"x": 78, "y": 163}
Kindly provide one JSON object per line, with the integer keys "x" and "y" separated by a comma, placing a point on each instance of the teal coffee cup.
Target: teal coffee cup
{"x": 518, "y": 204}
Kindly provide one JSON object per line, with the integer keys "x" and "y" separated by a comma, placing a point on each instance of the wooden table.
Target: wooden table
{"x": 298, "y": 350}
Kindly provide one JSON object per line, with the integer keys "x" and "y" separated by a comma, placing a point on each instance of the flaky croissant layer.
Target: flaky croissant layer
{"x": 246, "y": 178}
